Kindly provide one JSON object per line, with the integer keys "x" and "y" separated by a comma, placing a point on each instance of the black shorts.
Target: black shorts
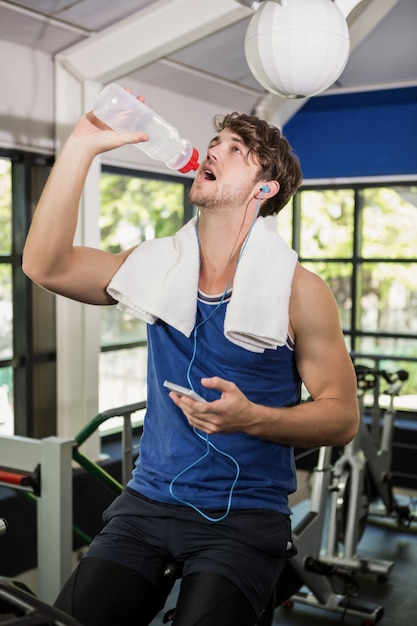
{"x": 248, "y": 547}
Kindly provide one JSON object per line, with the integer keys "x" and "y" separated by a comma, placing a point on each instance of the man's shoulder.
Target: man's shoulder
{"x": 309, "y": 292}
{"x": 306, "y": 279}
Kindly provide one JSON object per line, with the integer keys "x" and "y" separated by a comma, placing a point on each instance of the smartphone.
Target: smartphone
{"x": 183, "y": 391}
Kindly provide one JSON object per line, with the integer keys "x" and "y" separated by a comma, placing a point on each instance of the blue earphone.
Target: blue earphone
{"x": 265, "y": 189}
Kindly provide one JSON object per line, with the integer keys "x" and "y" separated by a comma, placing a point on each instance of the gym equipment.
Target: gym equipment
{"x": 341, "y": 494}
{"x": 362, "y": 476}
{"x": 306, "y": 578}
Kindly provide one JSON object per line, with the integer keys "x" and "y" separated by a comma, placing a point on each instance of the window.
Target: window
{"x": 27, "y": 313}
{"x": 134, "y": 207}
{"x": 361, "y": 241}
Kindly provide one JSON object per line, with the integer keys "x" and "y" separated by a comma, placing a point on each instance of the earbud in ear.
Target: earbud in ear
{"x": 265, "y": 189}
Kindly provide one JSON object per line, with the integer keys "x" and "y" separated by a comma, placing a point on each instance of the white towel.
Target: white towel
{"x": 159, "y": 279}
{"x": 257, "y": 316}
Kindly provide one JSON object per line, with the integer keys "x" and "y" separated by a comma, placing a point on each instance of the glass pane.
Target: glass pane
{"x": 389, "y": 222}
{"x": 5, "y": 207}
{"x": 387, "y": 347}
{"x": 122, "y": 377}
{"x": 338, "y": 277}
{"x": 134, "y": 209}
{"x": 388, "y": 297}
{"x": 6, "y": 401}
{"x": 6, "y": 312}
{"x": 327, "y": 223}
{"x": 118, "y": 328}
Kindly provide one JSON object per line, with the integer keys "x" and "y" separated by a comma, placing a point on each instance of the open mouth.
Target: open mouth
{"x": 208, "y": 174}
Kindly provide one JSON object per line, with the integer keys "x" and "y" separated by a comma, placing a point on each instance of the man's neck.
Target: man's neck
{"x": 220, "y": 242}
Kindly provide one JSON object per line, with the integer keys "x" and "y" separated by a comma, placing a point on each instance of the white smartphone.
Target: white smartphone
{"x": 183, "y": 391}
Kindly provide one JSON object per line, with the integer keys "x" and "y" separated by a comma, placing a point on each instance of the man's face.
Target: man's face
{"x": 227, "y": 175}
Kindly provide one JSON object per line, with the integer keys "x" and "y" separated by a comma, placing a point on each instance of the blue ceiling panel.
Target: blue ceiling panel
{"x": 357, "y": 135}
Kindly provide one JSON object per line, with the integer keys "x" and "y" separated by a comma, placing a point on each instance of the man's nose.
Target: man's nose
{"x": 212, "y": 153}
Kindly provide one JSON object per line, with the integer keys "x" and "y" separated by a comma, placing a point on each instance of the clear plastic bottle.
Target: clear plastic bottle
{"x": 124, "y": 113}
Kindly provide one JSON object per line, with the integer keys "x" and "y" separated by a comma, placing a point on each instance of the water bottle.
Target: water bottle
{"x": 124, "y": 113}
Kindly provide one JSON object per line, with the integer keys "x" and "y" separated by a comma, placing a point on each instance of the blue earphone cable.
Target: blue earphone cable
{"x": 210, "y": 445}
{"x": 205, "y": 437}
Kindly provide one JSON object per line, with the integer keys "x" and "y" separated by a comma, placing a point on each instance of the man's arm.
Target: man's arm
{"x": 50, "y": 258}
{"x": 324, "y": 366}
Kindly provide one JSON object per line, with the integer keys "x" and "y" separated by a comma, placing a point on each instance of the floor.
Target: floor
{"x": 395, "y": 597}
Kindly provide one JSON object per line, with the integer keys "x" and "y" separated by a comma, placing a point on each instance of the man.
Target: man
{"x": 233, "y": 316}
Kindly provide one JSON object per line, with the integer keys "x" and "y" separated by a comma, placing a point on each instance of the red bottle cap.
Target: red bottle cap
{"x": 192, "y": 164}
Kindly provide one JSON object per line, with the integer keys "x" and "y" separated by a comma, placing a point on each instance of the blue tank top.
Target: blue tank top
{"x": 169, "y": 445}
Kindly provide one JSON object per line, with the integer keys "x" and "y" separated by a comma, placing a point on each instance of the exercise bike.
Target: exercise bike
{"x": 362, "y": 477}
{"x": 306, "y": 578}
{"x": 341, "y": 494}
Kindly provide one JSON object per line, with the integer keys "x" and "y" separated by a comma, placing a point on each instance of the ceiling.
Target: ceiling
{"x": 213, "y": 67}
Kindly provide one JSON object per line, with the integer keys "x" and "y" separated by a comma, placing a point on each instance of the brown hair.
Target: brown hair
{"x": 273, "y": 152}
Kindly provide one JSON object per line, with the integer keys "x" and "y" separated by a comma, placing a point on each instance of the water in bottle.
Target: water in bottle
{"x": 122, "y": 112}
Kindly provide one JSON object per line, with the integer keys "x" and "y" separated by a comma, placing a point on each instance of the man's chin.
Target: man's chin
{"x": 199, "y": 198}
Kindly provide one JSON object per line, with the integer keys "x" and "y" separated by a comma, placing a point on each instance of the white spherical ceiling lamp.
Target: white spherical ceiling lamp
{"x": 297, "y": 48}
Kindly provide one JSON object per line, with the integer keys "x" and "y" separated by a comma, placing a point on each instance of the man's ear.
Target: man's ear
{"x": 267, "y": 189}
